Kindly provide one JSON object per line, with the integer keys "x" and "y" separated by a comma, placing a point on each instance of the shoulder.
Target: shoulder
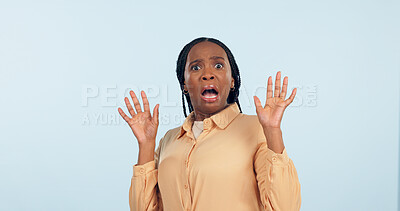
{"x": 246, "y": 120}
{"x": 170, "y": 135}
{"x": 251, "y": 124}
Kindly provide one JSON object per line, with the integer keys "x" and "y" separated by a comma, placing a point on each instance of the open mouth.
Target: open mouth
{"x": 209, "y": 94}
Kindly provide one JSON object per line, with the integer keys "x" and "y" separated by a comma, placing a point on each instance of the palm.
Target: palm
{"x": 270, "y": 115}
{"x": 144, "y": 126}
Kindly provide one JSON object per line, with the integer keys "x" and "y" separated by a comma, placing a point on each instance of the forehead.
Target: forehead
{"x": 205, "y": 50}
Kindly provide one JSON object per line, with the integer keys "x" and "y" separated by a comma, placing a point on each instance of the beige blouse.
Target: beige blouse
{"x": 228, "y": 167}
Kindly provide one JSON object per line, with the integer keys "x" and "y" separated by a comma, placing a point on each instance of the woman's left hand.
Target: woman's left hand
{"x": 270, "y": 115}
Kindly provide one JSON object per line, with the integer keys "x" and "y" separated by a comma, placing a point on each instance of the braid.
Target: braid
{"x": 183, "y": 104}
{"x": 180, "y": 70}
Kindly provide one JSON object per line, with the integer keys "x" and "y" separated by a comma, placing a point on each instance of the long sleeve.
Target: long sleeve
{"x": 277, "y": 179}
{"x": 144, "y": 194}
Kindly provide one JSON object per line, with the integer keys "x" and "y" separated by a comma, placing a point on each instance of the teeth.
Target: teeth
{"x": 210, "y": 96}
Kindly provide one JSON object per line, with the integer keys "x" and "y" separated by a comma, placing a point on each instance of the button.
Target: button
{"x": 186, "y": 186}
{"x": 141, "y": 171}
{"x": 274, "y": 159}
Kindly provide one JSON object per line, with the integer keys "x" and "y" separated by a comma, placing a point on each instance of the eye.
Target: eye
{"x": 219, "y": 66}
{"x": 195, "y": 67}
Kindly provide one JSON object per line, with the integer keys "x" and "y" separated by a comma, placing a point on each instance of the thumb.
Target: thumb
{"x": 257, "y": 102}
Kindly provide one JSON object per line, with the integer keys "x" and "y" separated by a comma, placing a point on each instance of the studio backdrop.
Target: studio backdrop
{"x": 65, "y": 67}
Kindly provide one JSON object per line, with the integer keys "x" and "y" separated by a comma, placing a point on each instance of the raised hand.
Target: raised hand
{"x": 270, "y": 116}
{"x": 144, "y": 126}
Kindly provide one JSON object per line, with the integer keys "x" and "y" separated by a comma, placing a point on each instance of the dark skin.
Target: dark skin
{"x": 207, "y": 64}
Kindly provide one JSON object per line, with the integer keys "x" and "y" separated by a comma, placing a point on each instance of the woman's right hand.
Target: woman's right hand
{"x": 143, "y": 125}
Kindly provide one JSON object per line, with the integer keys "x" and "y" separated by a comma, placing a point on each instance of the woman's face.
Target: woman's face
{"x": 208, "y": 77}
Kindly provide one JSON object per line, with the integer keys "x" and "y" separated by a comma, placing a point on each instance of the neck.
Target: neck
{"x": 199, "y": 116}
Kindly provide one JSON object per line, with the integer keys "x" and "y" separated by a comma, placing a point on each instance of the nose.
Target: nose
{"x": 208, "y": 75}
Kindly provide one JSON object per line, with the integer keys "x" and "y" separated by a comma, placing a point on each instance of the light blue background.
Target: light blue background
{"x": 54, "y": 55}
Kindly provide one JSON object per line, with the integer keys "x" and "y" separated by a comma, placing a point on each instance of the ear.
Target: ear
{"x": 184, "y": 86}
{"x": 233, "y": 83}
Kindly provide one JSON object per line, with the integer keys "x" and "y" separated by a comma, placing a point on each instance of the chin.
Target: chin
{"x": 211, "y": 107}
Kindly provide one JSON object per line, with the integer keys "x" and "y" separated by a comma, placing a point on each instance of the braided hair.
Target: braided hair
{"x": 180, "y": 70}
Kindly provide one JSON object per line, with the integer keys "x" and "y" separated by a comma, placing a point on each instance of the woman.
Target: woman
{"x": 220, "y": 158}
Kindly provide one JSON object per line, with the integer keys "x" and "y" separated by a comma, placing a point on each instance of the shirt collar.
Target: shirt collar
{"x": 221, "y": 119}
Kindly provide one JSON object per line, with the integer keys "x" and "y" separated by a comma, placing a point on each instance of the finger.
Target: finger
{"x": 277, "y": 84}
{"x": 291, "y": 98}
{"x": 146, "y": 105}
{"x": 156, "y": 114}
{"x": 284, "y": 88}
{"x": 135, "y": 101}
{"x": 129, "y": 106}
{"x": 124, "y": 116}
{"x": 257, "y": 102}
{"x": 269, "y": 88}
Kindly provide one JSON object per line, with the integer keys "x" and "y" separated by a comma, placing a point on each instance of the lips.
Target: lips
{"x": 209, "y": 93}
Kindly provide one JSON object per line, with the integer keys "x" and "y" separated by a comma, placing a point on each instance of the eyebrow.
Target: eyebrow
{"x": 213, "y": 57}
